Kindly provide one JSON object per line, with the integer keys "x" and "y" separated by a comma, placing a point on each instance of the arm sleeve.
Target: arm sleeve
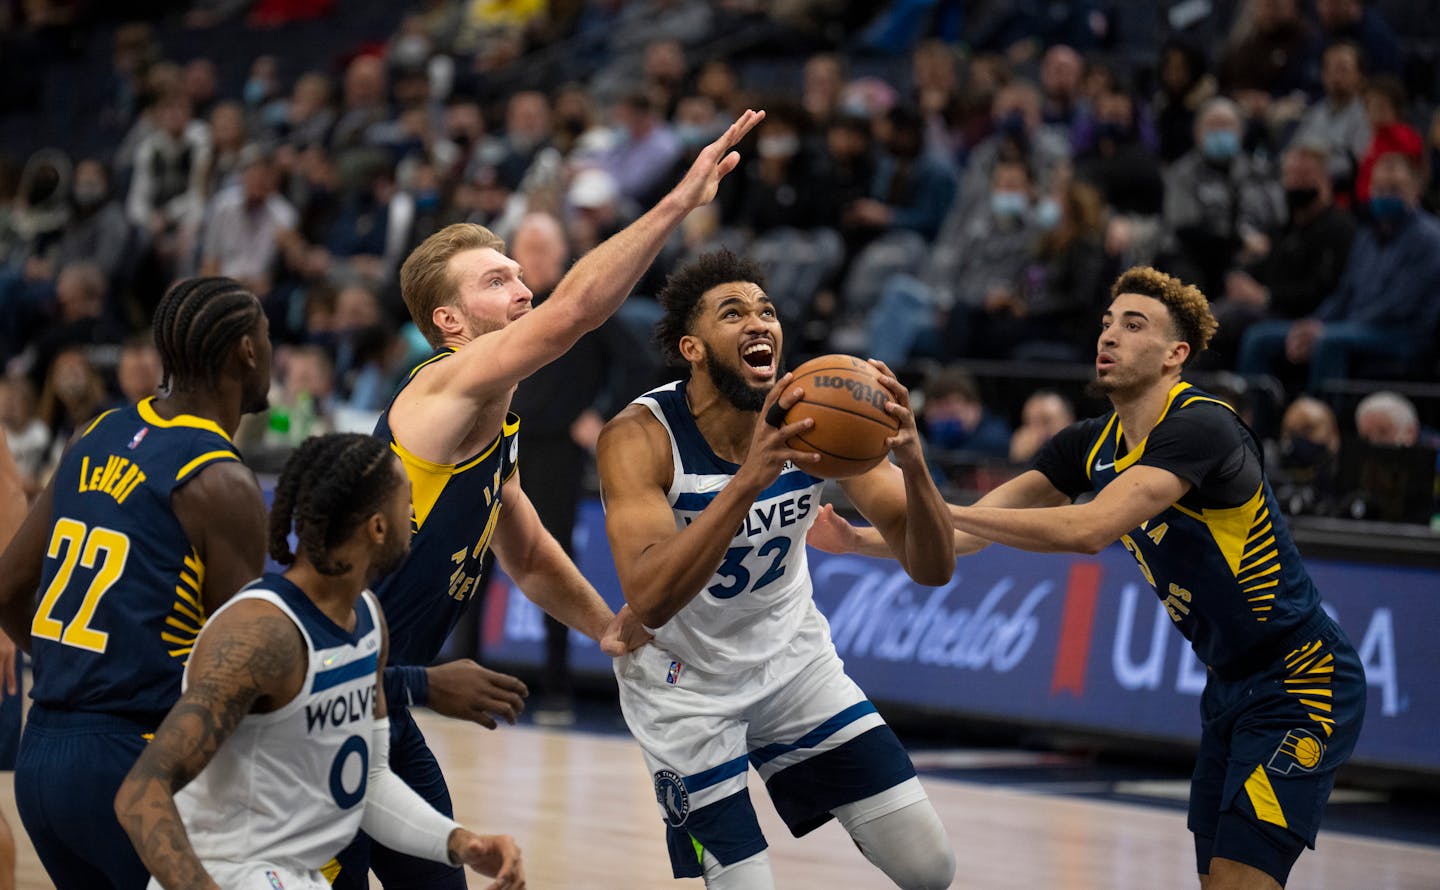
{"x": 406, "y": 686}
{"x": 395, "y": 815}
{"x": 1062, "y": 459}
{"x": 1194, "y": 442}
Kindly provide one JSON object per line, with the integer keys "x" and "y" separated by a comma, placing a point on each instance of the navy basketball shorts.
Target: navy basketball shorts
{"x": 68, "y": 771}
{"x": 411, "y": 760}
{"x": 1269, "y": 748}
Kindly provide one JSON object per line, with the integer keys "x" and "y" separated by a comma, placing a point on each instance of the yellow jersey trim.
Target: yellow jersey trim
{"x": 205, "y": 458}
{"x": 1124, "y": 463}
{"x": 96, "y": 422}
{"x": 1095, "y": 449}
{"x": 434, "y": 358}
{"x": 147, "y": 414}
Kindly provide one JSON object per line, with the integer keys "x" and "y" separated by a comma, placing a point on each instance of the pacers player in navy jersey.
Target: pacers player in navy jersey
{"x": 149, "y": 524}
{"x": 707, "y": 509}
{"x": 276, "y": 753}
{"x": 451, "y": 426}
{"x": 1179, "y": 481}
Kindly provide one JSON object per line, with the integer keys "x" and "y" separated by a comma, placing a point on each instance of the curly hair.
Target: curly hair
{"x": 1189, "y": 310}
{"x": 680, "y": 297}
{"x": 329, "y": 486}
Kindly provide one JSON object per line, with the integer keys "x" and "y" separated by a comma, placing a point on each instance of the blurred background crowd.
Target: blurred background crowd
{"x": 950, "y": 186}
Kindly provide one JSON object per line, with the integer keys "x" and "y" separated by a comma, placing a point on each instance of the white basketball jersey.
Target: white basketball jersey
{"x": 288, "y": 787}
{"x": 757, "y": 599}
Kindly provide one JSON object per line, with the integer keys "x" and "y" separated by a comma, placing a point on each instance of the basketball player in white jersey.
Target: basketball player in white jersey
{"x": 707, "y": 509}
{"x": 277, "y": 752}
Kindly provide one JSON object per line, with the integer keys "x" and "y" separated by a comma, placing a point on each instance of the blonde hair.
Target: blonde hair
{"x": 1189, "y": 310}
{"x": 425, "y": 280}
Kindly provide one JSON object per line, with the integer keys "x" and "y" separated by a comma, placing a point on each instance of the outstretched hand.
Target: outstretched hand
{"x": 468, "y": 691}
{"x": 625, "y": 633}
{"x": 493, "y": 855}
{"x": 832, "y": 533}
{"x": 715, "y": 161}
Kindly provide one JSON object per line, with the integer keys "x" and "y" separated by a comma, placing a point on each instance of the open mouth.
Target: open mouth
{"x": 759, "y": 357}
{"x": 1104, "y": 362}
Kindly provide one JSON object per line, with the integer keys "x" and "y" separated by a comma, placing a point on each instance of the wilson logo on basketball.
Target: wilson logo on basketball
{"x": 860, "y": 392}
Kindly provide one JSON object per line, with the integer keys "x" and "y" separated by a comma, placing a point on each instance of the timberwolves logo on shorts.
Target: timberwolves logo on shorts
{"x": 1301, "y": 749}
{"x": 670, "y": 792}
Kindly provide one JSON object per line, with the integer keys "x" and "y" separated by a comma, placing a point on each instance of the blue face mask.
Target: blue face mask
{"x": 692, "y": 135}
{"x": 945, "y": 434}
{"x": 1008, "y": 205}
{"x": 1047, "y": 214}
{"x": 254, "y": 91}
{"x": 1388, "y": 209}
{"x": 1220, "y": 145}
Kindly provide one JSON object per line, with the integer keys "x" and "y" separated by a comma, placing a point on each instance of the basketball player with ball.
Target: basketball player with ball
{"x": 710, "y": 485}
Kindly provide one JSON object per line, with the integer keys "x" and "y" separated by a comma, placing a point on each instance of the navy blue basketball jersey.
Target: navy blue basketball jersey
{"x": 1221, "y": 558}
{"x": 120, "y": 603}
{"x": 456, "y": 508}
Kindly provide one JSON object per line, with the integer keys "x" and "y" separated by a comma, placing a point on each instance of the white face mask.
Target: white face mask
{"x": 777, "y": 146}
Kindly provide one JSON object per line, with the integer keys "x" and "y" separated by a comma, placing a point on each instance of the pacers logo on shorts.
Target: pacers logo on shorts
{"x": 1301, "y": 749}
{"x": 670, "y": 792}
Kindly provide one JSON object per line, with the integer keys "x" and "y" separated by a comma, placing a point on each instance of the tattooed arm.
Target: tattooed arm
{"x": 251, "y": 658}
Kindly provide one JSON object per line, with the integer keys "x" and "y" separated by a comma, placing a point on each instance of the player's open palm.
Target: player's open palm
{"x": 905, "y": 444}
{"x": 832, "y": 533}
{"x": 468, "y": 691}
{"x": 715, "y": 162}
{"x": 769, "y": 451}
{"x": 493, "y": 855}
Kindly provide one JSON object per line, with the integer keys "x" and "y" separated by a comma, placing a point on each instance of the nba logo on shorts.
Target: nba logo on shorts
{"x": 274, "y": 880}
{"x": 1301, "y": 749}
{"x": 673, "y": 675}
{"x": 138, "y": 438}
{"x": 671, "y": 794}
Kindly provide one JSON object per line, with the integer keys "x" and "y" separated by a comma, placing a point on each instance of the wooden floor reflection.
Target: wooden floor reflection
{"x": 582, "y": 808}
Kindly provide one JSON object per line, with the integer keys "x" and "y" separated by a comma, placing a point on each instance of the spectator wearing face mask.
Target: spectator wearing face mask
{"x": 647, "y": 149}
{"x": 1384, "y": 306}
{"x": 1302, "y": 465}
{"x": 1303, "y": 264}
{"x": 971, "y": 277}
{"x": 1020, "y": 135}
{"x": 955, "y": 420}
{"x": 911, "y": 191}
{"x": 1060, "y": 289}
{"x": 1219, "y": 201}
{"x": 98, "y": 231}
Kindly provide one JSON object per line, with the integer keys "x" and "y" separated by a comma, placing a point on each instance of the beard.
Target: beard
{"x": 392, "y": 552}
{"x": 732, "y": 386}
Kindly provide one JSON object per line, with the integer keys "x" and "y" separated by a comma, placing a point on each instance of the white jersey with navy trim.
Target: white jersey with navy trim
{"x": 288, "y": 787}
{"x": 761, "y": 594}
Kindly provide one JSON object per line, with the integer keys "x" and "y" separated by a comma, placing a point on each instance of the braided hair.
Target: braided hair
{"x": 329, "y": 486}
{"x": 196, "y": 324}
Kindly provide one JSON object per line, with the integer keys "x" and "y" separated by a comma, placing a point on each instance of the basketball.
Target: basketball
{"x": 844, "y": 397}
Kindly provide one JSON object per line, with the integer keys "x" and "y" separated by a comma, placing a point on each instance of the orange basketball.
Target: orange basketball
{"x": 844, "y": 397}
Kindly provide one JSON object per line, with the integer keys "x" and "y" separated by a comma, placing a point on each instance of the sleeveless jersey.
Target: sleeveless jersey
{"x": 456, "y": 508}
{"x": 288, "y": 787}
{"x": 1227, "y": 570}
{"x": 758, "y": 598}
{"x": 120, "y": 604}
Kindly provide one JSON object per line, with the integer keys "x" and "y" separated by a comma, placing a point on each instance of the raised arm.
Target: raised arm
{"x": 901, "y": 501}
{"x": 661, "y": 568}
{"x": 251, "y": 654}
{"x": 596, "y": 285}
{"x": 223, "y": 514}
